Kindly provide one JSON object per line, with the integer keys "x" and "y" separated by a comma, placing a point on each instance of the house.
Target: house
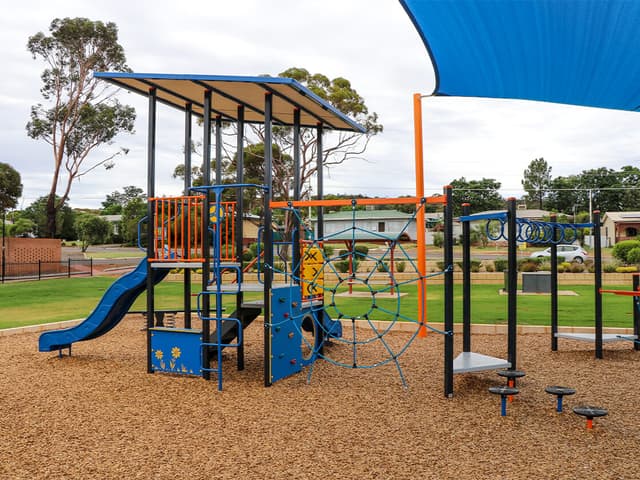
{"x": 388, "y": 223}
{"x": 619, "y": 226}
{"x": 114, "y": 220}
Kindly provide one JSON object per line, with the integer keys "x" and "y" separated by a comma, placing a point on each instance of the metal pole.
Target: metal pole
{"x": 448, "y": 293}
{"x": 268, "y": 235}
{"x": 597, "y": 264}
{"x": 151, "y": 192}
{"x": 513, "y": 284}
{"x": 240, "y": 219}
{"x": 420, "y": 220}
{"x": 636, "y": 311}
{"x": 320, "y": 210}
{"x": 296, "y": 195}
{"x": 188, "y": 111}
{"x": 466, "y": 280}
{"x": 554, "y": 284}
{"x": 4, "y": 257}
{"x": 206, "y": 239}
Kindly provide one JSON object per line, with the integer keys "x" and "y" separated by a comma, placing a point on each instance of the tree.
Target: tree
{"x": 10, "y": 187}
{"x": 565, "y": 196}
{"x": 132, "y": 212}
{"x": 481, "y": 194}
{"x": 92, "y": 230}
{"x": 81, "y": 113}
{"x": 65, "y": 219}
{"x": 116, "y": 201}
{"x": 536, "y": 181}
{"x": 23, "y": 227}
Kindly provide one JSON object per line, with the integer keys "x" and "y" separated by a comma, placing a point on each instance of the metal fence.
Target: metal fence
{"x": 41, "y": 269}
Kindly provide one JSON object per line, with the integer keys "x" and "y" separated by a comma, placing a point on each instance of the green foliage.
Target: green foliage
{"x": 10, "y": 187}
{"x": 536, "y": 181}
{"x": 342, "y": 266}
{"x": 438, "y": 239}
{"x": 500, "y": 264}
{"x": 65, "y": 219}
{"x": 132, "y": 212}
{"x": 478, "y": 236}
{"x": 383, "y": 267}
{"x": 401, "y": 266}
{"x": 115, "y": 202}
{"x": 621, "y": 249}
{"x": 361, "y": 250}
{"x": 81, "y": 114}
{"x": 328, "y": 250}
{"x": 92, "y": 230}
{"x": 21, "y": 228}
{"x": 627, "y": 269}
{"x": 481, "y": 194}
{"x": 474, "y": 265}
{"x": 528, "y": 266}
{"x": 633, "y": 255}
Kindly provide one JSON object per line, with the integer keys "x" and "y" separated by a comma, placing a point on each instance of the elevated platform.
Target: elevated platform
{"x": 591, "y": 337}
{"x": 476, "y": 362}
{"x": 191, "y": 264}
{"x": 245, "y": 287}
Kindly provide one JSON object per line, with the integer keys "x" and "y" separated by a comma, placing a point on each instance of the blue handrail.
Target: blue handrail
{"x": 143, "y": 219}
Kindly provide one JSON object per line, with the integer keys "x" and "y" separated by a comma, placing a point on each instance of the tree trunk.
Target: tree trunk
{"x": 51, "y": 215}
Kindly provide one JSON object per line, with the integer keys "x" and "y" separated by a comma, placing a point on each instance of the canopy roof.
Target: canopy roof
{"x": 579, "y": 52}
{"x": 229, "y": 92}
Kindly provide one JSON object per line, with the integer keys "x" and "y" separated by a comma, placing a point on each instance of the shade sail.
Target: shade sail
{"x": 577, "y": 52}
{"x": 229, "y": 92}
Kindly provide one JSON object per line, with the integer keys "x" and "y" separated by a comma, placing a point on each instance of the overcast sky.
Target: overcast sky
{"x": 370, "y": 42}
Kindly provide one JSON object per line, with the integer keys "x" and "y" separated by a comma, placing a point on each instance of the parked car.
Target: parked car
{"x": 571, "y": 253}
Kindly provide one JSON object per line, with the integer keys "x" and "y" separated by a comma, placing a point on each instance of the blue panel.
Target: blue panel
{"x": 110, "y": 310}
{"x": 572, "y": 52}
{"x": 175, "y": 350}
{"x": 286, "y": 337}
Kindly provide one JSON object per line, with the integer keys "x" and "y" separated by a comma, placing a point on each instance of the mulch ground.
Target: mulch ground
{"x": 98, "y": 414}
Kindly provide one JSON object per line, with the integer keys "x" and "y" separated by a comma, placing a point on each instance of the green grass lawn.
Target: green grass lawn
{"x": 31, "y": 303}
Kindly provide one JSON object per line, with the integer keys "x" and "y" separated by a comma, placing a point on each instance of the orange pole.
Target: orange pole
{"x": 589, "y": 423}
{"x": 420, "y": 224}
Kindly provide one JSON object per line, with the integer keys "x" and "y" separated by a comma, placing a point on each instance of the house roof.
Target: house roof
{"x": 366, "y": 215}
{"x": 621, "y": 217}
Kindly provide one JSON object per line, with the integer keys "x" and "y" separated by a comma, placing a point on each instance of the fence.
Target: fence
{"x": 45, "y": 269}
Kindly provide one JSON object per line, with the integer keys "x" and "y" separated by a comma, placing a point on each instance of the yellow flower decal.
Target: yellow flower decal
{"x": 159, "y": 354}
{"x": 175, "y": 352}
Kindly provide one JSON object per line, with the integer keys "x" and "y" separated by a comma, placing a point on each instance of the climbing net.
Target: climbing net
{"x": 370, "y": 293}
{"x": 533, "y": 231}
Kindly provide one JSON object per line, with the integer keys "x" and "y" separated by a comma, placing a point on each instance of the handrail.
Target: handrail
{"x": 143, "y": 219}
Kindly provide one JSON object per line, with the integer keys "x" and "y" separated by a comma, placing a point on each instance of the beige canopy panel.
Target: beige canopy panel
{"x": 230, "y": 92}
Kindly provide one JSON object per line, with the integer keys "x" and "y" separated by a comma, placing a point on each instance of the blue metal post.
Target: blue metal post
{"x": 268, "y": 235}
{"x": 151, "y": 192}
{"x": 512, "y": 313}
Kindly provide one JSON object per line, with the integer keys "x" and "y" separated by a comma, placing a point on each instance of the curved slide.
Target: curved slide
{"x": 113, "y": 306}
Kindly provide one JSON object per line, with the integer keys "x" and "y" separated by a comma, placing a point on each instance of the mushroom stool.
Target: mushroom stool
{"x": 504, "y": 392}
{"x": 559, "y": 392}
{"x": 511, "y": 376}
{"x": 590, "y": 413}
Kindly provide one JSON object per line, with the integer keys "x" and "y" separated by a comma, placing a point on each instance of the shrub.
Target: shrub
{"x": 489, "y": 267}
{"x": 328, "y": 250}
{"x": 608, "y": 267}
{"x": 438, "y": 239}
{"x": 361, "y": 250}
{"x": 561, "y": 269}
{"x": 528, "y": 266}
{"x": 342, "y": 266}
{"x": 621, "y": 249}
{"x": 545, "y": 267}
{"x": 627, "y": 269}
{"x": 401, "y": 266}
{"x": 475, "y": 265}
{"x": 440, "y": 266}
{"x": 500, "y": 264}
{"x": 383, "y": 267}
{"x": 577, "y": 267}
{"x": 565, "y": 265}
{"x": 633, "y": 255}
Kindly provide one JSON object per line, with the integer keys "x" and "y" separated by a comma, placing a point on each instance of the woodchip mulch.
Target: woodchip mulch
{"x": 99, "y": 415}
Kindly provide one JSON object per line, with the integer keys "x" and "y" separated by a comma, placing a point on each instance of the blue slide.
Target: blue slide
{"x": 113, "y": 306}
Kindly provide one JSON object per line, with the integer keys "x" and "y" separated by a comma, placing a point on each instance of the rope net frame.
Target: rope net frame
{"x": 370, "y": 301}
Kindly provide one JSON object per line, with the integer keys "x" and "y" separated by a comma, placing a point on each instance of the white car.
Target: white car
{"x": 571, "y": 253}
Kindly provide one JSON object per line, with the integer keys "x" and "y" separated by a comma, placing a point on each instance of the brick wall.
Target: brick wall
{"x": 28, "y": 250}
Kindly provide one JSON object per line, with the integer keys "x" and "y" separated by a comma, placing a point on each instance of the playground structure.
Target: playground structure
{"x": 298, "y": 284}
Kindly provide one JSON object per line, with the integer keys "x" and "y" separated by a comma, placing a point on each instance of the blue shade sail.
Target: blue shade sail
{"x": 576, "y": 52}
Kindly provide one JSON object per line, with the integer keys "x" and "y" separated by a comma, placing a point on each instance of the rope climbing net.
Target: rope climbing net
{"x": 370, "y": 292}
